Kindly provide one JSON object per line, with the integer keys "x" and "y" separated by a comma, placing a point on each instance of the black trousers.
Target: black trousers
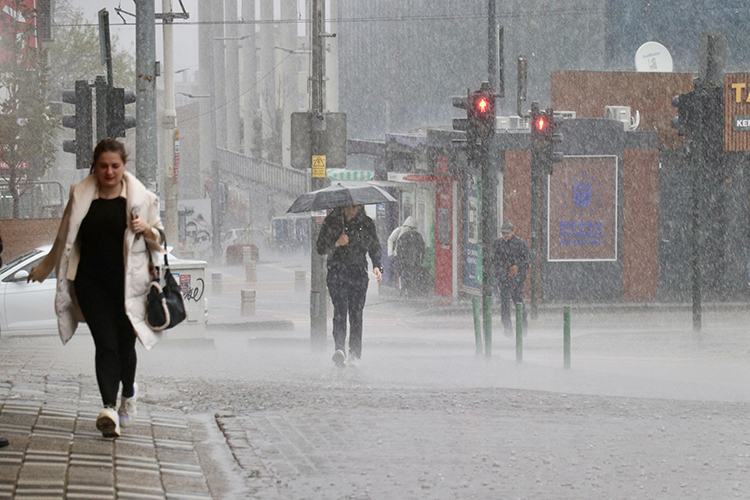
{"x": 510, "y": 291}
{"x": 348, "y": 292}
{"x": 103, "y": 307}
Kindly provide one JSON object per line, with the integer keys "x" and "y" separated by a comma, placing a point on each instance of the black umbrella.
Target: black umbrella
{"x": 339, "y": 196}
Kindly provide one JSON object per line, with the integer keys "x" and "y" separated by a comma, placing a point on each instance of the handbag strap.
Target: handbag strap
{"x": 166, "y": 260}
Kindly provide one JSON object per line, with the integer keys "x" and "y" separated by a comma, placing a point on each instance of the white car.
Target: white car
{"x": 29, "y": 308}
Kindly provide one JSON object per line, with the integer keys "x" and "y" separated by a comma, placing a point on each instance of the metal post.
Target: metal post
{"x": 698, "y": 164}
{"x": 169, "y": 122}
{"x": 145, "y": 91}
{"x": 566, "y": 336}
{"x": 535, "y": 274}
{"x": 318, "y": 312}
{"x": 519, "y": 331}
{"x": 477, "y": 325}
{"x": 488, "y": 325}
{"x": 492, "y": 43}
{"x": 102, "y": 91}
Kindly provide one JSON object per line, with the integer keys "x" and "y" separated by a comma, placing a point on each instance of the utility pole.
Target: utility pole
{"x": 145, "y": 86}
{"x": 170, "y": 124}
{"x": 318, "y": 299}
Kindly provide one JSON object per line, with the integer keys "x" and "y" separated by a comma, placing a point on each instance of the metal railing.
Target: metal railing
{"x": 271, "y": 175}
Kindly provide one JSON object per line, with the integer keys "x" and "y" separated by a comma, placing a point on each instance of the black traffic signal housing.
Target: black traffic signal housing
{"x": 81, "y": 121}
{"x": 117, "y": 121}
{"x": 687, "y": 121}
{"x": 544, "y": 137}
{"x": 480, "y": 113}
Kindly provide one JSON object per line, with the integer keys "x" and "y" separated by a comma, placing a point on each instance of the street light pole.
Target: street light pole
{"x": 318, "y": 299}
{"x": 170, "y": 118}
{"x": 145, "y": 92}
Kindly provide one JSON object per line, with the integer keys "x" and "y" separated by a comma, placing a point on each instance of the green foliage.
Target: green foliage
{"x": 75, "y": 55}
{"x": 27, "y": 127}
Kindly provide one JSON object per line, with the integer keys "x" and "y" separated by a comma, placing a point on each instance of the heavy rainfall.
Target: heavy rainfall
{"x": 426, "y": 249}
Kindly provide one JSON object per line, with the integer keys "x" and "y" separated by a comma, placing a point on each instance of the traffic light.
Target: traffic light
{"x": 544, "y": 137}
{"x": 481, "y": 113}
{"x": 81, "y": 122}
{"x": 117, "y": 121}
{"x": 686, "y": 122}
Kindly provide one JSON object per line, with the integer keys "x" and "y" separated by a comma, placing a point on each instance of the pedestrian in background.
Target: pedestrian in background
{"x": 408, "y": 224}
{"x": 511, "y": 259}
{"x": 347, "y": 237}
{"x": 410, "y": 254}
{"x": 101, "y": 256}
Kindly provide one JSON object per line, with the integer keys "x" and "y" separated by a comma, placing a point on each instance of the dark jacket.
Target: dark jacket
{"x": 506, "y": 254}
{"x": 362, "y": 240}
{"x": 410, "y": 250}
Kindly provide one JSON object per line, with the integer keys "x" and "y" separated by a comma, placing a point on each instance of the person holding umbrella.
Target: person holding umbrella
{"x": 347, "y": 237}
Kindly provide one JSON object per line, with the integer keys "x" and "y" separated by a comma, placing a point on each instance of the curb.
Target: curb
{"x": 249, "y": 323}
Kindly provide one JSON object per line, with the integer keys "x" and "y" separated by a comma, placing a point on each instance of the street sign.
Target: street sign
{"x": 318, "y": 166}
{"x": 737, "y": 112}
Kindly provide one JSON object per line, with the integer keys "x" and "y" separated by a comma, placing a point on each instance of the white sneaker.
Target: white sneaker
{"x": 128, "y": 410}
{"x": 338, "y": 358}
{"x": 108, "y": 423}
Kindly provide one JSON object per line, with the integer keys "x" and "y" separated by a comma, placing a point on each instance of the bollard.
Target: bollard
{"x": 488, "y": 326}
{"x": 251, "y": 275}
{"x": 477, "y": 325}
{"x": 566, "y": 336}
{"x": 519, "y": 332}
{"x": 299, "y": 281}
{"x": 216, "y": 287}
{"x": 248, "y": 303}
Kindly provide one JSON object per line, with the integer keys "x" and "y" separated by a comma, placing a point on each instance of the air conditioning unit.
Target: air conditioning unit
{"x": 502, "y": 123}
{"x": 622, "y": 114}
{"x": 518, "y": 123}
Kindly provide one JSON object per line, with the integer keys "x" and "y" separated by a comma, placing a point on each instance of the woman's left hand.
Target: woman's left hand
{"x": 138, "y": 225}
{"x": 378, "y": 274}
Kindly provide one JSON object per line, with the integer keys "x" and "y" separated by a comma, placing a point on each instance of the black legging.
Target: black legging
{"x": 103, "y": 306}
{"x": 348, "y": 292}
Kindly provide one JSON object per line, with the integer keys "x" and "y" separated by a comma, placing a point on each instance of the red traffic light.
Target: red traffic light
{"x": 482, "y": 105}
{"x": 541, "y": 124}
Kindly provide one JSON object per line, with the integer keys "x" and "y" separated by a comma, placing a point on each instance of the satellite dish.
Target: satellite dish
{"x": 653, "y": 57}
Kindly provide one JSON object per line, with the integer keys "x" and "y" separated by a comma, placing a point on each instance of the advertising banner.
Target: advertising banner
{"x": 582, "y": 210}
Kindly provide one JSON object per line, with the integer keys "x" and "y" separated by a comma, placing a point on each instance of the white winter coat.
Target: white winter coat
{"x": 409, "y": 224}
{"x": 65, "y": 255}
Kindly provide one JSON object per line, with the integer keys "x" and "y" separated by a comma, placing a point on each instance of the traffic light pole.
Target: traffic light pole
{"x": 698, "y": 165}
{"x": 536, "y": 168}
{"x": 318, "y": 297}
{"x": 145, "y": 86}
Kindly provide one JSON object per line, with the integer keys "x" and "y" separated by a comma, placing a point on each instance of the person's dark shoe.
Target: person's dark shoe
{"x": 4, "y": 442}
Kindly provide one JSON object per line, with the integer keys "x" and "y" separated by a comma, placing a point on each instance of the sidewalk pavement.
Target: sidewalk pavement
{"x": 258, "y": 416}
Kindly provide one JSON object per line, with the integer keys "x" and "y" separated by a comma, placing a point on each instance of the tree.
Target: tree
{"x": 75, "y": 55}
{"x": 27, "y": 126}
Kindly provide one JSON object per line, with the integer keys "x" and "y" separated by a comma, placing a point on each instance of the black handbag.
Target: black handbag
{"x": 165, "y": 305}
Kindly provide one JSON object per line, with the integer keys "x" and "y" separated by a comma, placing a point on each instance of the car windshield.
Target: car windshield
{"x": 17, "y": 260}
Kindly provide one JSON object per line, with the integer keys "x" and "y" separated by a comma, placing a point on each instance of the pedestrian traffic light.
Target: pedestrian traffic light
{"x": 544, "y": 137}
{"x": 481, "y": 113}
{"x": 686, "y": 122}
{"x": 81, "y": 122}
{"x": 117, "y": 121}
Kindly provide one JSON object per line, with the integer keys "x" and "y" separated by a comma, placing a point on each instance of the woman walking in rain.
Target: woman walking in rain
{"x": 347, "y": 236}
{"x": 100, "y": 254}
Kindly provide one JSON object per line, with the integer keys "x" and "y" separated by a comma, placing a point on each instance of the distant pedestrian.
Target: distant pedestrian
{"x": 408, "y": 224}
{"x": 410, "y": 253}
{"x": 511, "y": 260}
{"x": 101, "y": 256}
{"x": 347, "y": 237}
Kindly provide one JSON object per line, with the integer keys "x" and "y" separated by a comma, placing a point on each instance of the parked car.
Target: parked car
{"x": 29, "y": 308}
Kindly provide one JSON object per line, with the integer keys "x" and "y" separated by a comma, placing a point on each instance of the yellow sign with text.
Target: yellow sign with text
{"x": 318, "y": 166}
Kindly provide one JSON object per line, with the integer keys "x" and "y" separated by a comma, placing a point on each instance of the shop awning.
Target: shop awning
{"x": 342, "y": 174}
